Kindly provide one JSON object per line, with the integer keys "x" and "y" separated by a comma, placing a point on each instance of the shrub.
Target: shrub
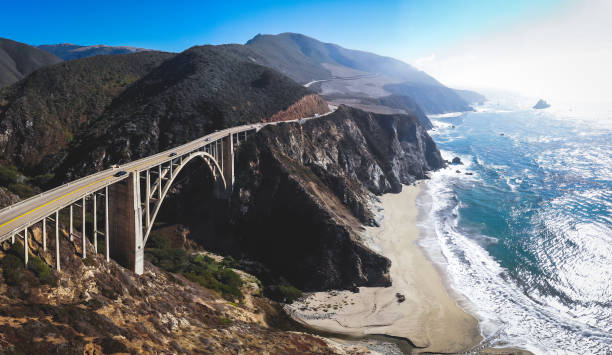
{"x": 8, "y": 175}
{"x": 42, "y": 271}
{"x": 12, "y": 269}
{"x": 283, "y": 293}
{"x": 200, "y": 269}
{"x": 22, "y": 190}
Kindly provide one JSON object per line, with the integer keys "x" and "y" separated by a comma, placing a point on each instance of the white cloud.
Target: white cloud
{"x": 567, "y": 56}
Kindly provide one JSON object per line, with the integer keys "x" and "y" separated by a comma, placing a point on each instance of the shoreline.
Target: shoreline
{"x": 419, "y": 306}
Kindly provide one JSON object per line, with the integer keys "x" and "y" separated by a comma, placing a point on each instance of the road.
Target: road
{"x": 15, "y": 218}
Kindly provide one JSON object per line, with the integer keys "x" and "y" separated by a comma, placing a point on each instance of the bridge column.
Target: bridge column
{"x": 227, "y": 163}
{"x": 125, "y": 220}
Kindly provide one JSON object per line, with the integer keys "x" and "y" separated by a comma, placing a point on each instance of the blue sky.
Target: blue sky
{"x": 547, "y": 48}
{"x": 404, "y": 29}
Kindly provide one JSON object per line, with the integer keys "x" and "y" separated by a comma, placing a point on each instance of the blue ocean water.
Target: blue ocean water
{"x": 526, "y": 234}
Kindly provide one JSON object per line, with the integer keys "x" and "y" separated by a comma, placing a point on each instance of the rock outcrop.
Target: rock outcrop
{"x": 541, "y": 104}
{"x": 95, "y": 307}
{"x": 7, "y": 198}
{"x": 303, "y": 191}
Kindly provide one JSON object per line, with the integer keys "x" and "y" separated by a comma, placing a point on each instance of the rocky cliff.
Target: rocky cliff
{"x": 303, "y": 190}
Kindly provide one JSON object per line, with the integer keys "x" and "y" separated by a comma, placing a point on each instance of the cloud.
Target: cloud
{"x": 566, "y": 56}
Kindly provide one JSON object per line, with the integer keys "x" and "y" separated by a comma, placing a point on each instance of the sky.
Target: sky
{"x": 522, "y": 45}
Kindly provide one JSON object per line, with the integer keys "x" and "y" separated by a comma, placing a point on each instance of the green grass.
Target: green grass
{"x": 200, "y": 269}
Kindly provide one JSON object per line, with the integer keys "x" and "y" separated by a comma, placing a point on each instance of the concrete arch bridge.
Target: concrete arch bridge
{"x": 131, "y": 195}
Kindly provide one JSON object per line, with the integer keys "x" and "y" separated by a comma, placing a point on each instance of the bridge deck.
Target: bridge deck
{"x": 15, "y": 218}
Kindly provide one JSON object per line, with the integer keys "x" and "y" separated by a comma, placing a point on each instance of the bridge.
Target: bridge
{"x": 129, "y": 197}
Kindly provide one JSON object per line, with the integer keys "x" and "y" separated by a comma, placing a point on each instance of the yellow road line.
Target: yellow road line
{"x": 50, "y": 202}
{"x": 72, "y": 192}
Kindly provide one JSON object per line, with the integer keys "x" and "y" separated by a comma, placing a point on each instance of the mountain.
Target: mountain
{"x": 304, "y": 190}
{"x": 471, "y": 97}
{"x": 44, "y": 112}
{"x": 17, "y": 60}
{"x": 68, "y": 51}
{"x": 345, "y": 76}
{"x": 197, "y": 91}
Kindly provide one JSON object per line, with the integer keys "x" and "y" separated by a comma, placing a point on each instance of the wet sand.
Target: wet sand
{"x": 428, "y": 316}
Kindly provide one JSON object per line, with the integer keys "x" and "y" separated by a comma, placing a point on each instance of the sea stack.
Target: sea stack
{"x": 541, "y": 104}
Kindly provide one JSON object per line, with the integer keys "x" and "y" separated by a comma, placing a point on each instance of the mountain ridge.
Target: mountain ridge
{"x": 69, "y": 51}
{"x": 18, "y": 60}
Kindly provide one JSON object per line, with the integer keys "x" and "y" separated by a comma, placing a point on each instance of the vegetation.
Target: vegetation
{"x": 16, "y": 182}
{"x": 13, "y": 268}
{"x": 51, "y": 105}
{"x": 197, "y": 268}
{"x": 282, "y": 293}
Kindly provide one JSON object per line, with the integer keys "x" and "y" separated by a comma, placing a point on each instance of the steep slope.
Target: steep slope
{"x": 286, "y": 48}
{"x": 68, "y": 51}
{"x": 200, "y": 90}
{"x": 17, "y": 60}
{"x": 98, "y": 307}
{"x": 351, "y": 73}
{"x": 43, "y": 113}
{"x": 303, "y": 191}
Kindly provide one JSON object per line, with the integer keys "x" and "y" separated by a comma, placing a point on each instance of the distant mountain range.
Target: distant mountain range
{"x": 342, "y": 76}
{"x": 68, "y": 51}
{"x": 17, "y": 60}
{"x": 346, "y": 76}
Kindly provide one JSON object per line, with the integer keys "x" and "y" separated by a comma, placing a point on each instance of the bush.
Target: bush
{"x": 12, "y": 269}
{"x": 8, "y": 175}
{"x": 283, "y": 293}
{"x": 22, "y": 190}
{"x": 42, "y": 271}
{"x": 200, "y": 269}
{"x": 157, "y": 241}
{"x": 42, "y": 180}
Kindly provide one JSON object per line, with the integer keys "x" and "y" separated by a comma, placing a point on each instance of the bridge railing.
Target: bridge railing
{"x": 48, "y": 192}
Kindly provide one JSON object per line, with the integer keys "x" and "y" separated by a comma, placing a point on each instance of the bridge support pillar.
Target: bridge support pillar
{"x": 125, "y": 221}
{"x": 228, "y": 162}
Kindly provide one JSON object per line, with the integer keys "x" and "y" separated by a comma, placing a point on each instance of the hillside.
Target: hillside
{"x": 351, "y": 74}
{"x": 197, "y": 91}
{"x": 43, "y": 113}
{"x": 68, "y": 51}
{"x": 17, "y": 60}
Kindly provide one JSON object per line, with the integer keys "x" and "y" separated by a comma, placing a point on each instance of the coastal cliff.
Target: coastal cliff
{"x": 303, "y": 191}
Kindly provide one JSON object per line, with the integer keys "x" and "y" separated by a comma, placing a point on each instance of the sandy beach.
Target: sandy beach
{"x": 428, "y": 315}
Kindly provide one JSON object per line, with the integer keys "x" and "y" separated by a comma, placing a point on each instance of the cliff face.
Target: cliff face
{"x": 307, "y": 106}
{"x": 7, "y": 198}
{"x": 303, "y": 190}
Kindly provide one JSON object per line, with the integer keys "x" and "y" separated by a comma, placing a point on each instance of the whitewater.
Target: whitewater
{"x": 523, "y": 228}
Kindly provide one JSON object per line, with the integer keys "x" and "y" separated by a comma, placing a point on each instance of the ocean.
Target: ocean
{"x": 523, "y": 228}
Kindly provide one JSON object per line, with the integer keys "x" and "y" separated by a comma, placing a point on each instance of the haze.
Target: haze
{"x": 564, "y": 55}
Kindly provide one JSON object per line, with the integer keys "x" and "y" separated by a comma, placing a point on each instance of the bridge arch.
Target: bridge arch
{"x": 208, "y": 159}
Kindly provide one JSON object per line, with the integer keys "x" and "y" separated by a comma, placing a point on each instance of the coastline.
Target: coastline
{"x": 428, "y": 316}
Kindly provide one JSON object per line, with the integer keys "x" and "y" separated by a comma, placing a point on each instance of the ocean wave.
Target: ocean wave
{"x": 534, "y": 321}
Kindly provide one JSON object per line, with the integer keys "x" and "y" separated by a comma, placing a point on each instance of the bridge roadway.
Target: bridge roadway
{"x": 14, "y": 218}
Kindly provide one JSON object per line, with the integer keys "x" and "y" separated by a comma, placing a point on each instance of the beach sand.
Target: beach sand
{"x": 429, "y": 316}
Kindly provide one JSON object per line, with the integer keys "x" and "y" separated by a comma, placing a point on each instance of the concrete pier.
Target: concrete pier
{"x": 125, "y": 223}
